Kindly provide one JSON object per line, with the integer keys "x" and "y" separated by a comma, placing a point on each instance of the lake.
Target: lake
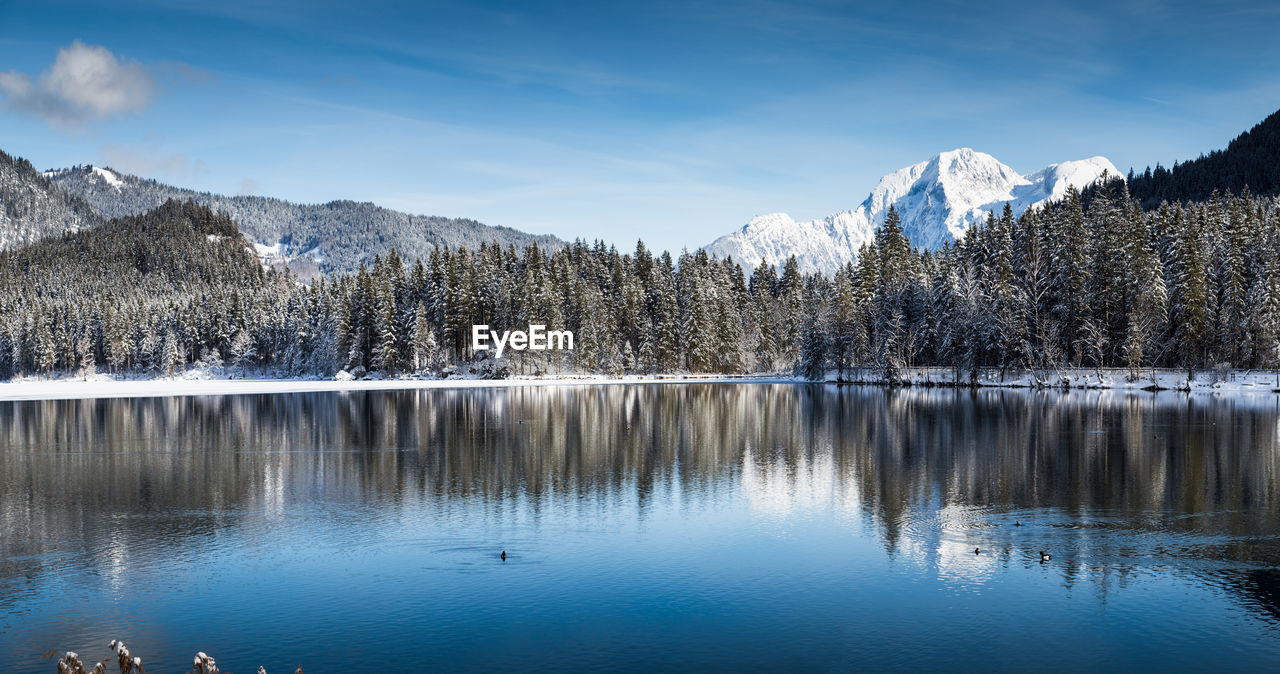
{"x": 692, "y": 526}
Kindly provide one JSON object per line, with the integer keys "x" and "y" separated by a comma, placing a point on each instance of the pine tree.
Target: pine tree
{"x": 243, "y": 351}
{"x": 1146, "y": 297}
{"x": 86, "y": 362}
{"x": 46, "y": 355}
{"x": 790, "y": 309}
{"x": 844, "y": 322}
{"x": 814, "y": 344}
{"x": 1069, "y": 263}
{"x": 172, "y": 360}
{"x": 1231, "y": 280}
{"x": 386, "y": 359}
{"x": 666, "y": 320}
{"x": 1188, "y": 268}
{"x": 424, "y": 340}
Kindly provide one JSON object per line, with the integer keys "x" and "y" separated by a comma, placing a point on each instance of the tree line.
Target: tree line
{"x": 1107, "y": 284}
{"x": 1249, "y": 161}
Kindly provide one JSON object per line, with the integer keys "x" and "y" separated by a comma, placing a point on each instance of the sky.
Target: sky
{"x": 675, "y": 122}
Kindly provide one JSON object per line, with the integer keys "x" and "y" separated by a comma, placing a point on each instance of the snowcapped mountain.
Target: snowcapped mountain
{"x": 32, "y": 207}
{"x": 937, "y": 200}
{"x": 311, "y": 238}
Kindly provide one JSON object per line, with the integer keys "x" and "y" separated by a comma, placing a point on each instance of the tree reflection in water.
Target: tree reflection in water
{"x": 1112, "y": 483}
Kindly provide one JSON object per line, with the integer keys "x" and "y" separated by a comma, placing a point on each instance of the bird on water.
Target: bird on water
{"x": 1044, "y": 556}
{"x": 977, "y": 551}
{"x": 504, "y": 555}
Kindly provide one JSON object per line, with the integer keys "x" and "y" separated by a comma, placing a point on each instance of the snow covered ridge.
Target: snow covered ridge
{"x": 105, "y": 175}
{"x": 336, "y": 236}
{"x": 937, "y": 199}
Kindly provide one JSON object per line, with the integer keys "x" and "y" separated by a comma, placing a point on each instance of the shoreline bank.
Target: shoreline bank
{"x": 1153, "y": 381}
{"x": 102, "y": 387}
{"x": 1147, "y": 380}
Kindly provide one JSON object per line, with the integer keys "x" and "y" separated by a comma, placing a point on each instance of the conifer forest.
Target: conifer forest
{"x": 1074, "y": 284}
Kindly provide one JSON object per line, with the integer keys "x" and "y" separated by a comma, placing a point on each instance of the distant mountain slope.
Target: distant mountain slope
{"x": 1252, "y": 159}
{"x": 330, "y": 237}
{"x": 32, "y": 207}
{"x": 178, "y": 246}
{"x": 153, "y": 292}
{"x": 937, "y": 199}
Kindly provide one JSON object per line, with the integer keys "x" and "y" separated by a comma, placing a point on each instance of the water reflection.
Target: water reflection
{"x": 909, "y": 461}
{"x": 1117, "y": 485}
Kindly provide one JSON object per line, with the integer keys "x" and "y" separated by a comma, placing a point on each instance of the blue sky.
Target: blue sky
{"x": 669, "y": 121}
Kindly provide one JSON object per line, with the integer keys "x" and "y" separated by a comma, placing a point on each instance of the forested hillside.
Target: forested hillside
{"x": 1250, "y": 161}
{"x": 32, "y": 207}
{"x": 312, "y": 238}
{"x": 1180, "y": 286}
{"x": 134, "y": 293}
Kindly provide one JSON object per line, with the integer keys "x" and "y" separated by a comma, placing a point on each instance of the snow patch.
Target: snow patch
{"x": 110, "y": 178}
{"x": 203, "y": 383}
{"x": 269, "y": 254}
{"x": 279, "y": 253}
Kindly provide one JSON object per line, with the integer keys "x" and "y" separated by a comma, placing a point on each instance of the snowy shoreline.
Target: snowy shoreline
{"x": 1111, "y": 379}
{"x": 103, "y": 387}
{"x": 1172, "y": 381}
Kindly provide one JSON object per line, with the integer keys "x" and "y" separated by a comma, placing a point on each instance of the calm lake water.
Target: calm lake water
{"x": 719, "y": 526}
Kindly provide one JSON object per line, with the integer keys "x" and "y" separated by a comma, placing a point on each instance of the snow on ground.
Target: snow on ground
{"x": 106, "y": 387}
{"x": 1202, "y": 381}
{"x": 197, "y": 382}
{"x": 269, "y": 254}
{"x": 110, "y": 178}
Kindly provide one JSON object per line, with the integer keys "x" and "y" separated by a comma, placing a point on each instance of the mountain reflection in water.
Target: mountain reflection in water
{"x": 707, "y": 495}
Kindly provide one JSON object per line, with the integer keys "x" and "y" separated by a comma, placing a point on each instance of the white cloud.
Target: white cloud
{"x": 85, "y": 82}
